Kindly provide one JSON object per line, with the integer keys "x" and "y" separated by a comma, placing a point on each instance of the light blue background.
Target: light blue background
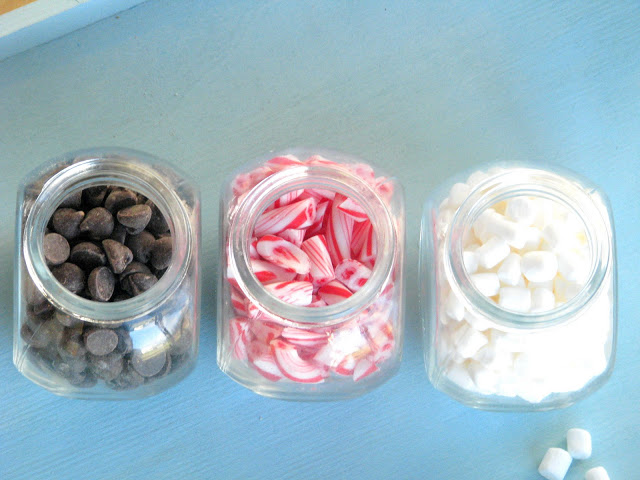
{"x": 423, "y": 90}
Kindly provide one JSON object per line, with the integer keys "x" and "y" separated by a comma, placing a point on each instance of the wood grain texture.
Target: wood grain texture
{"x": 423, "y": 90}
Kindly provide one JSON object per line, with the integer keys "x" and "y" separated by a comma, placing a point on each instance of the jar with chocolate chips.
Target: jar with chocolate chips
{"x": 107, "y": 271}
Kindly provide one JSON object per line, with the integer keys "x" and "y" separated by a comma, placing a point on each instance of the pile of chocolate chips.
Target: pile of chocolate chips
{"x": 107, "y": 244}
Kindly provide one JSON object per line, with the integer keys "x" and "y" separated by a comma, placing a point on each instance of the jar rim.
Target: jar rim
{"x": 268, "y": 190}
{"x": 107, "y": 166}
{"x": 571, "y": 191}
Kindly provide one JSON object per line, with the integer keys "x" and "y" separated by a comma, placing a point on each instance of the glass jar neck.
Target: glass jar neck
{"x": 250, "y": 208}
{"x": 124, "y": 168}
{"x": 575, "y": 195}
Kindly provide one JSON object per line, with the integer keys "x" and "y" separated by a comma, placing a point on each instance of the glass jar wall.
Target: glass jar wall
{"x": 311, "y": 282}
{"x": 72, "y": 335}
{"x": 518, "y": 288}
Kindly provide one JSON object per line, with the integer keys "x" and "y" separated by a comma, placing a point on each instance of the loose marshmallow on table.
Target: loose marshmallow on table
{"x": 579, "y": 443}
{"x": 555, "y": 464}
{"x": 596, "y": 473}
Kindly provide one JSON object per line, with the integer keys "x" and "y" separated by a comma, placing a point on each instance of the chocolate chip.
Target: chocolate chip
{"x": 118, "y": 255}
{"x": 66, "y": 222}
{"x": 42, "y": 309}
{"x": 101, "y": 284}
{"x": 135, "y": 218}
{"x": 67, "y": 320}
{"x": 148, "y": 364}
{"x": 100, "y": 341}
{"x": 98, "y": 223}
{"x": 70, "y": 276}
{"x": 161, "y": 253}
{"x": 107, "y": 367}
{"x": 119, "y": 199}
{"x": 88, "y": 256}
{"x": 72, "y": 346}
{"x": 94, "y": 196}
{"x": 157, "y": 224}
{"x": 165, "y": 370}
{"x": 127, "y": 379}
{"x": 125, "y": 344}
{"x": 141, "y": 282}
{"x": 83, "y": 380}
{"x": 141, "y": 245}
{"x": 72, "y": 201}
{"x": 119, "y": 233}
{"x": 56, "y": 249}
{"x": 120, "y": 297}
{"x": 134, "y": 267}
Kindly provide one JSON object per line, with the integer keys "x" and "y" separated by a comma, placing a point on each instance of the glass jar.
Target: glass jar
{"x": 157, "y": 331}
{"x": 492, "y": 352}
{"x": 295, "y": 352}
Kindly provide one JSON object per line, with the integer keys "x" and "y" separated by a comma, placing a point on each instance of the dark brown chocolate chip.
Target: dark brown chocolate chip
{"x": 141, "y": 245}
{"x": 43, "y": 309}
{"x": 125, "y": 344}
{"x": 166, "y": 369}
{"x": 157, "y": 224}
{"x": 101, "y": 284}
{"x": 56, "y": 249}
{"x": 119, "y": 199}
{"x": 72, "y": 346}
{"x": 100, "y": 341}
{"x": 148, "y": 364}
{"x": 107, "y": 367}
{"x": 70, "y": 276}
{"x": 98, "y": 223}
{"x": 135, "y": 218}
{"x": 161, "y": 253}
{"x": 119, "y": 233}
{"x": 120, "y": 297}
{"x": 118, "y": 255}
{"x": 83, "y": 380}
{"x": 88, "y": 256}
{"x": 140, "y": 282}
{"x": 134, "y": 267}
{"x": 67, "y": 320}
{"x": 94, "y": 196}
{"x": 66, "y": 221}
{"x": 72, "y": 201}
{"x": 127, "y": 379}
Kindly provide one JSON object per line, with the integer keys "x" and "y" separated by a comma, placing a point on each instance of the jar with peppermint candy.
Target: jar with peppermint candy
{"x": 311, "y": 281}
{"x": 518, "y": 288}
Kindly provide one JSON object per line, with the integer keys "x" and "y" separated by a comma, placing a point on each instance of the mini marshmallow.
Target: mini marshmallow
{"x": 509, "y": 272}
{"x": 533, "y": 240}
{"x": 460, "y": 376}
{"x": 492, "y": 252}
{"x": 454, "y": 308}
{"x": 468, "y": 341}
{"x": 458, "y": 194}
{"x": 470, "y": 261}
{"x": 480, "y": 226}
{"x": 555, "y": 464}
{"x": 539, "y": 266}
{"x": 477, "y": 322}
{"x": 488, "y": 284}
{"x": 517, "y": 299}
{"x": 511, "y": 232}
{"x": 521, "y": 210}
{"x": 579, "y": 443}
{"x": 542, "y": 299}
{"x": 476, "y": 178}
{"x": 597, "y": 473}
{"x": 556, "y": 235}
{"x": 572, "y": 266}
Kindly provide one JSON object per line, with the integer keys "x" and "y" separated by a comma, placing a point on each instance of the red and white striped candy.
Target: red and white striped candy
{"x": 264, "y": 330}
{"x": 360, "y": 230}
{"x": 267, "y": 272}
{"x": 363, "y": 368}
{"x": 339, "y": 230}
{"x": 369, "y": 251}
{"x": 353, "y": 209}
{"x": 263, "y": 361}
{"x": 283, "y": 254}
{"x": 363, "y": 171}
{"x": 295, "y": 215}
{"x": 321, "y": 270}
{"x": 285, "y": 199}
{"x": 239, "y": 337}
{"x": 384, "y": 187}
{"x": 238, "y": 302}
{"x": 293, "y": 235}
{"x": 304, "y": 338}
{"x": 346, "y": 366}
{"x": 352, "y": 274}
{"x": 253, "y": 253}
{"x": 318, "y": 194}
{"x": 317, "y": 302}
{"x": 334, "y": 292}
{"x": 318, "y": 222}
{"x": 320, "y": 160}
{"x": 293, "y": 367}
{"x": 294, "y": 293}
{"x": 283, "y": 162}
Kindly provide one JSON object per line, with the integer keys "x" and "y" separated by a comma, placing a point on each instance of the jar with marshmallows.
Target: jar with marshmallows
{"x": 518, "y": 288}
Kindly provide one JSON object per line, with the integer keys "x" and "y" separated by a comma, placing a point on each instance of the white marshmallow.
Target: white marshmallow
{"x": 470, "y": 261}
{"x": 579, "y": 443}
{"x": 476, "y": 178}
{"x": 492, "y": 252}
{"x": 565, "y": 290}
{"x": 597, "y": 473}
{"x": 539, "y": 266}
{"x": 454, "y": 308}
{"x": 533, "y": 240}
{"x": 486, "y": 380}
{"x": 555, "y": 464}
{"x": 572, "y": 266}
{"x": 542, "y": 299}
{"x": 480, "y": 226}
{"x": 509, "y": 272}
{"x": 458, "y": 194}
{"x": 468, "y": 341}
{"x": 460, "y": 376}
{"x": 515, "y": 298}
{"x": 521, "y": 210}
{"x": 557, "y": 235}
{"x": 488, "y": 284}
{"x": 477, "y": 322}
{"x": 512, "y": 233}
{"x": 532, "y": 391}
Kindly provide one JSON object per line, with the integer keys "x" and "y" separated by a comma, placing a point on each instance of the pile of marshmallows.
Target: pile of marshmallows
{"x": 556, "y": 461}
{"x": 528, "y": 255}
{"x": 311, "y": 248}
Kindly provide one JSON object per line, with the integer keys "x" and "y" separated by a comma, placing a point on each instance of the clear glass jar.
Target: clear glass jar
{"x": 344, "y": 349}
{"x": 486, "y": 354}
{"x": 157, "y": 330}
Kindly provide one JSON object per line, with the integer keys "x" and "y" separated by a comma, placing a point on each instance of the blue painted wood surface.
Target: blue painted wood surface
{"x": 423, "y": 90}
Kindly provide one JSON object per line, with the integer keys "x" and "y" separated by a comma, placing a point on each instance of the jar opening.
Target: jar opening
{"x": 246, "y": 214}
{"x": 122, "y": 168}
{"x": 547, "y": 187}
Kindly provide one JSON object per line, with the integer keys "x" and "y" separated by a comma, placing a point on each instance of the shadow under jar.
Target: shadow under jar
{"x": 338, "y": 332}
{"x": 518, "y": 288}
{"x": 75, "y": 346}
